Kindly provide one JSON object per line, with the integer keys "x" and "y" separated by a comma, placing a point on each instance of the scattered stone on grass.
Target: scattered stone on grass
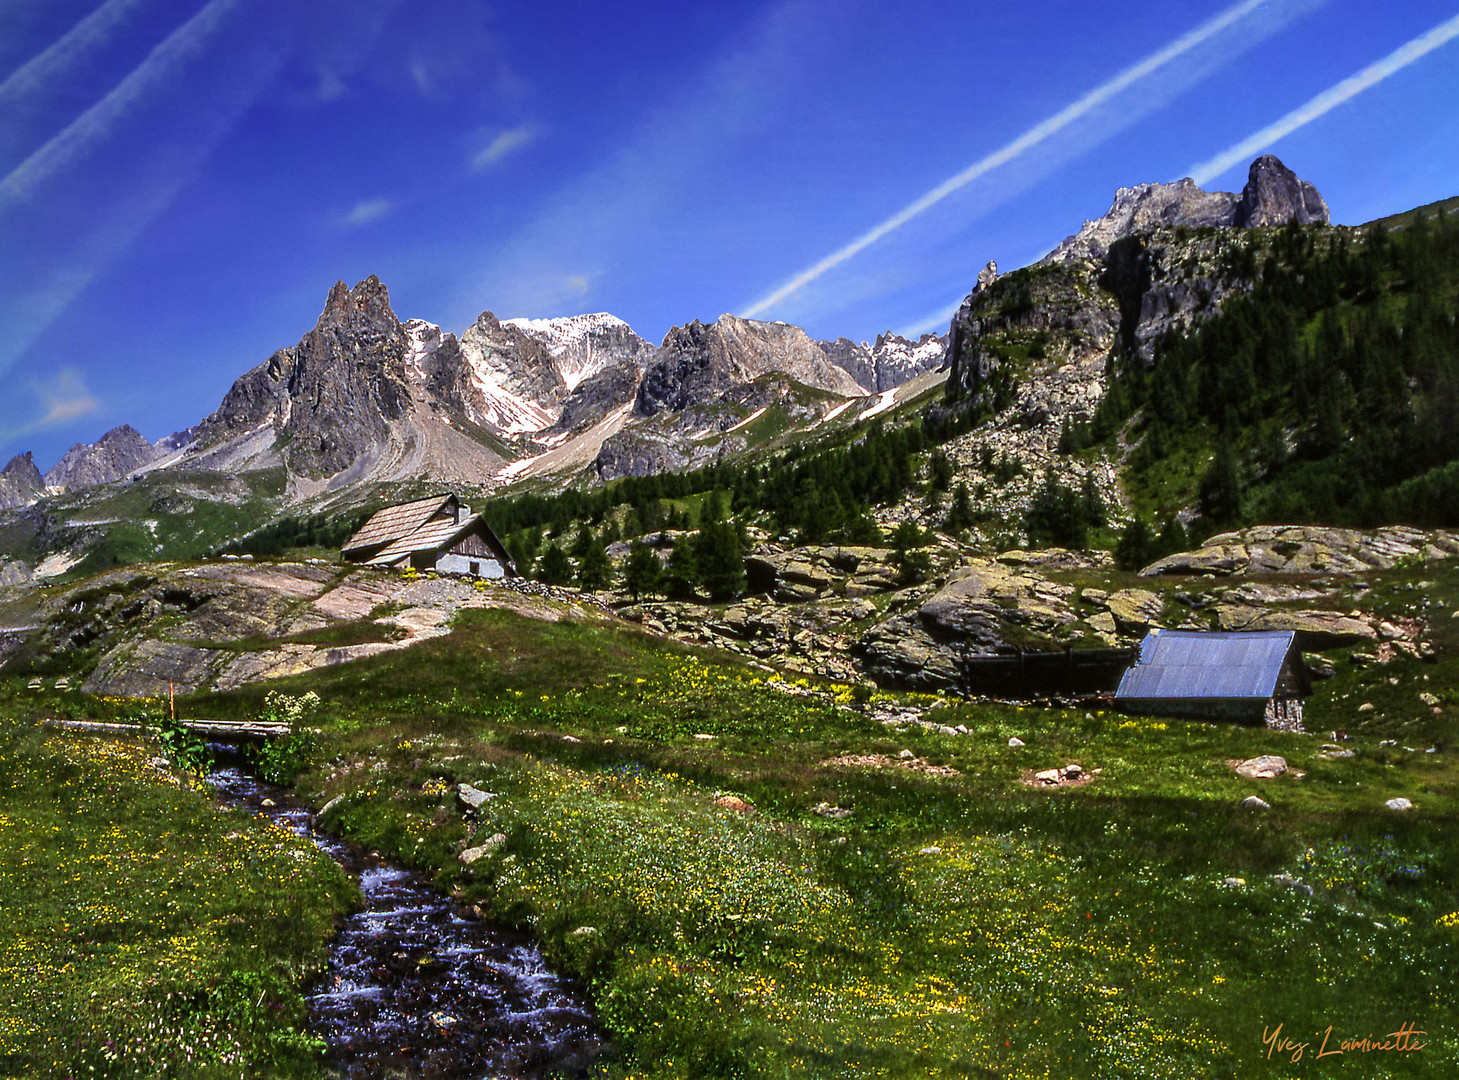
{"x": 1066, "y": 776}
{"x": 473, "y": 854}
{"x": 826, "y": 810}
{"x": 1399, "y": 803}
{"x": 1253, "y": 802}
{"x": 735, "y": 803}
{"x": 880, "y": 761}
{"x": 1016, "y": 742}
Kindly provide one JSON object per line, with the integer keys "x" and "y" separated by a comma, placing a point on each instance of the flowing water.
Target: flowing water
{"x": 416, "y": 990}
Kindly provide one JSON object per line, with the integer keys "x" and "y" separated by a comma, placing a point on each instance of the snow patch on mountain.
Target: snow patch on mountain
{"x": 502, "y": 409}
{"x": 570, "y": 340}
{"x": 422, "y": 339}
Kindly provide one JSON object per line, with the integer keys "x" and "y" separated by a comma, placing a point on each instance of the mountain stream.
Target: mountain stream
{"x": 415, "y": 990}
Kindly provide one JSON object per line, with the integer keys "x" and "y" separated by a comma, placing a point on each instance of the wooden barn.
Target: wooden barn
{"x": 1252, "y": 677}
{"x": 431, "y": 534}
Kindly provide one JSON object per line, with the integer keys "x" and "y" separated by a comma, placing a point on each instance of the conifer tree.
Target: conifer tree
{"x": 1220, "y": 487}
{"x": 682, "y": 579}
{"x": 1136, "y": 547}
{"x": 554, "y": 567}
{"x": 913, "y": 565}
{"x": 581, "y": 543}
{"x": 643, "y": 572}
{"x": 960, "y": 514}
{"x": 594, "y": 569}
{"x": 717, "y": 552}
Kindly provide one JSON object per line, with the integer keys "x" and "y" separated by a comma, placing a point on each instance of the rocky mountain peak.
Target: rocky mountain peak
{"x": 697, "y": 363}
{"x": 367, "y": 304}
{"x": 20, "y": 482}
{"x": 112, "y": 457}
{"x": 1273, "y": 195}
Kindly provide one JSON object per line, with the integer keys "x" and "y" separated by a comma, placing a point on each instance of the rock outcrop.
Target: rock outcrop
{"x": 351, "y": 401}
{"x": 523, "y": 372}
{"x": 329, "y": 400}
{"x": 1307, "y": 549}
{"x": 1274, "y": 195}
{"x": 1154, "y": 262}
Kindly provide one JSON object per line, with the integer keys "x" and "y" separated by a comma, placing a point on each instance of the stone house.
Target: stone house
{"x": 437, "y": 533}
{"x": 1251, "y": 677}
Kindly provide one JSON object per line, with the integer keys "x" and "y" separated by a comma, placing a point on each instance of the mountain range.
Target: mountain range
{"x": 364, "y": 396}
{"x": 366, "y": 406}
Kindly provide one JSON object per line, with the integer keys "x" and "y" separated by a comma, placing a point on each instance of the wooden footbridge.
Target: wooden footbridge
{"x": 226, "y": 731}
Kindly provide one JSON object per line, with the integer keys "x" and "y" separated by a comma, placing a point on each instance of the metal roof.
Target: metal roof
{"x": 1207, "y": 664}
{"x": 394, "y": 522}
{"x": 428, "y": 537}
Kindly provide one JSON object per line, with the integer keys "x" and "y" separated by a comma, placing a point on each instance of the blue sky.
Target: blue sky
{"x": 184, "y": 179}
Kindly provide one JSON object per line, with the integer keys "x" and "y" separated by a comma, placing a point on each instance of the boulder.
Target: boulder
{"x": 1399, "y": 804}
{"x": 1261, "y": 768}
{"x": 473, "y": 798}
{"x": 1253, "y": 802}
{"x": 1315, "y": 629}
{"x": 1134, "y": 610}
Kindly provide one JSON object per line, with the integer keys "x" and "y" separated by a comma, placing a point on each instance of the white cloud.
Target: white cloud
{"x": 65, "y": 398}
{"x": 502, "y": 146}
{"x": 1325, "y": 102}
{"x": 368, "y": 210}
{"x": 1033, "y": 137}
{"x": 420, "y": 74}
{"x": 331, "y": 86}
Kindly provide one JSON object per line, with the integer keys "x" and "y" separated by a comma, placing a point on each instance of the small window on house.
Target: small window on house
{"x": 476, "y": 568}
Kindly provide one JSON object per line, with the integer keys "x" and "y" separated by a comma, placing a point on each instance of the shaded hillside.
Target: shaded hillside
{"x": 1328, "y": 392}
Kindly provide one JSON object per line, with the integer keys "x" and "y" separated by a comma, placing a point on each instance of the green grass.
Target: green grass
{"x": 1139, "y": 925}
{"x": 146, "y": 932}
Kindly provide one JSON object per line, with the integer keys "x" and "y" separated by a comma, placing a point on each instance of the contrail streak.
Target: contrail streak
{"x": 1326, "y": 101}
{"x": 1029, "y": 139}
{"x": 68, "y": 52}
{"x": 152, "y": 75}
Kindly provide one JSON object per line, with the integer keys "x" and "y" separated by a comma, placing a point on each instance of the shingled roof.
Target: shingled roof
{"x": 395, "y": 522}
{"x": 428, "y": 537}
{"x": 1208, "y": 664}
